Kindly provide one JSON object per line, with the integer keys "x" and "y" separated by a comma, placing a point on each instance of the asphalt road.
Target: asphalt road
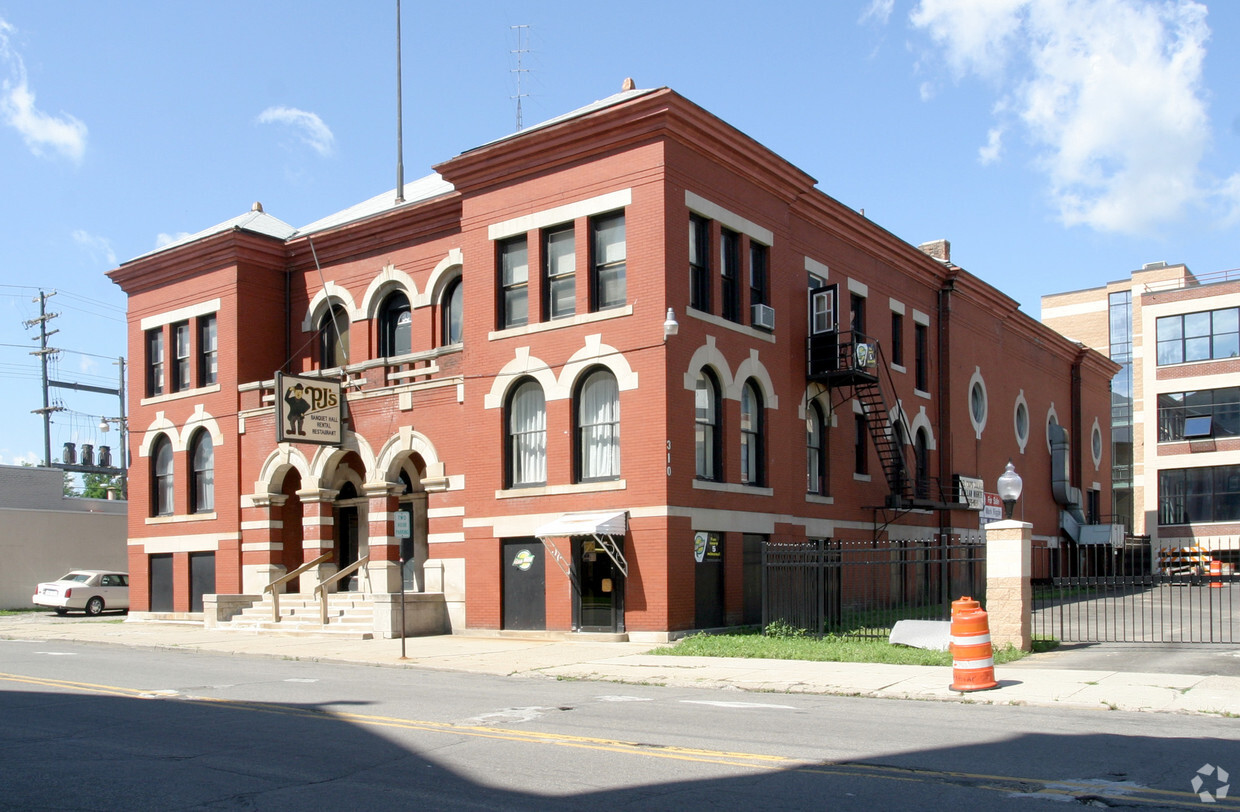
{"x": 102, "y": 728}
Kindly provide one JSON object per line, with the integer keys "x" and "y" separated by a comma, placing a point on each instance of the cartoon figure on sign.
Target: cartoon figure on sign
{"x": 297, "y": 408}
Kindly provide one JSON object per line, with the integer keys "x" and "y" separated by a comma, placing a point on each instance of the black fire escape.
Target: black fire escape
{"x": 851, "y": 362}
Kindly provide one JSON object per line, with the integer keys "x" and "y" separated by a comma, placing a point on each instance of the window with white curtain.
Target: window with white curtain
{"x": 527, "y": 436}
{"x": 161, "y": 477}
{"x": 453, "y": 312}
{"x": 598, "y": 427}
{"x": 751, "y": 436}
{"x": 609, "y": 258}
{"x": 815, "y": 451}
{"x": 514, "y": 282}
{"x": 202, "y": 459}
{"x": 706, "y": 417}
{"x": 560, "y": 265}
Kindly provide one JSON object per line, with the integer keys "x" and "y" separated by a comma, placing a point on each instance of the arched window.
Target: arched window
{"x": 162, "y": 493}
{"x": 202, "y": 473}
{"x": 452, "y": 312}
{"x": 706, "y": 436}
{"x": 527, "y": 436}
{"x": 334, "y": 338}
{"x": 598, "y": 428}
{"x": 921, "y": 456}
{"x": 395, "y": 326}
{"x": 816, "y": 451}
{"x": 752, "y": 452}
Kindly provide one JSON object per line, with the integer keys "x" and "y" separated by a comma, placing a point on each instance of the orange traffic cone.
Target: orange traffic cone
{"x": 965, "y": 604}
{"x": 973, "y": 663}
{"x": 1216, "y": 574}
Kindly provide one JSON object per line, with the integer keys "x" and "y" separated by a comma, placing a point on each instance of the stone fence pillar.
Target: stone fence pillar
{"x": 1009, "y": 589}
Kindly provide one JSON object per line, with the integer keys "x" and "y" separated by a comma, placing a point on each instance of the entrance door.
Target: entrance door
{"x": 525, "y": 584}
{"x": 823, "y": 327}
{"x": 708, "y": 580}
{"x": 201, "y": 578}
{"x": 347, "y": 530}
{"x": 600, "y": 597}
{"x": 161, "y": 583}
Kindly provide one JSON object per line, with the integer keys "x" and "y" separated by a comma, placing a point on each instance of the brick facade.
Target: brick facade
{"x": 431, "y": 427}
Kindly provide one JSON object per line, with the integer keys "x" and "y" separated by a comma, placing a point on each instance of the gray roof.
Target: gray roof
{"x": 618, "y": 98}
{"x": 416, "y": 191}
{"x": 255, "y": 220}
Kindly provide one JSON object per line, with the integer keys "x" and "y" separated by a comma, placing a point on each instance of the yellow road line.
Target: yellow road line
{"x": 1013, "y": 785}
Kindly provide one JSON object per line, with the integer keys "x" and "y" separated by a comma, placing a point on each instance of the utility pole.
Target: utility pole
{"x": 70, "y": 463}
{"x": 521, "y": 51}
{"x": 43, "y": 352}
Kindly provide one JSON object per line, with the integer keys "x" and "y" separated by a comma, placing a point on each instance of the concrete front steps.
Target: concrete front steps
{"x": 349, "y": 614}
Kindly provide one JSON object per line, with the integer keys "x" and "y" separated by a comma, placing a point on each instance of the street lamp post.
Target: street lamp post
{"x": 1010, "y": 486}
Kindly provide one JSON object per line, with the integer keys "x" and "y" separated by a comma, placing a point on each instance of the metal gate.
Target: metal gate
{"x": 861, "y": 588}
{"x": 1113, "y": 596}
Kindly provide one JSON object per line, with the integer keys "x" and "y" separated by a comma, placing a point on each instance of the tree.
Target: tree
{"x": 96, "y": 486}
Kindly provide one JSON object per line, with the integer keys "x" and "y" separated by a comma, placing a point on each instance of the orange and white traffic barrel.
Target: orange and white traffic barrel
{"x": 1216, "y": 574}
{"x": 973, "y": 662}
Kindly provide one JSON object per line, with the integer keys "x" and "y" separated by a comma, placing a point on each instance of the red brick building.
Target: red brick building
{"x": 599, "y": 362}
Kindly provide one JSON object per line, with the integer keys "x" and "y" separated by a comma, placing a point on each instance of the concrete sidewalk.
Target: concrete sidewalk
{"x": 1027, "y": 682}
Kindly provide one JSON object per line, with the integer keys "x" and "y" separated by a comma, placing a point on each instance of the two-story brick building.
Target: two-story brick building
{"x": 599, "y": 362}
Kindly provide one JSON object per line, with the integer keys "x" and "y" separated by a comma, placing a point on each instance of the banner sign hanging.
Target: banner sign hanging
{"x": 309, "y": 410}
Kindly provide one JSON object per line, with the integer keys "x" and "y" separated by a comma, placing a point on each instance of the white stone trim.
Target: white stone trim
{"x": 700, "y": 205}
{"x": 560, "y": 214}
{"x": 180, "y": 314}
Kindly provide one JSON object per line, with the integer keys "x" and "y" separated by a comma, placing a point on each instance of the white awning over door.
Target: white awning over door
{"x": 603, "y": 526}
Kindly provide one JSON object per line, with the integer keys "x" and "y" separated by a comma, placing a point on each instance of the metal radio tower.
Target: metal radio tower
{"x": 521, "y": 51}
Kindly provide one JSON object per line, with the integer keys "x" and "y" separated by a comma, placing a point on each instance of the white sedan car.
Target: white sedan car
{"x": 89, "y": 591}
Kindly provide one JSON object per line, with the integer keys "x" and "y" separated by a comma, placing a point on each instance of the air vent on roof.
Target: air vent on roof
{"x": 1152, "y": 265}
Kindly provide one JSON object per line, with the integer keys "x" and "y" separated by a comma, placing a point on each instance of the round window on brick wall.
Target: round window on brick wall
{"x": 1022, "y": 423}
{"x": 977, "y": 402}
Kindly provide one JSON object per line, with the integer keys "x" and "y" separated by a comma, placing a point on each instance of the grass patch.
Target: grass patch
{"x": 24, "y": 611}
{"x": 831, "y": 648}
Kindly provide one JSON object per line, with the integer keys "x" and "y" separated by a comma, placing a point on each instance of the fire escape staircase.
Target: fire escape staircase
{"x": 850, "y": 361}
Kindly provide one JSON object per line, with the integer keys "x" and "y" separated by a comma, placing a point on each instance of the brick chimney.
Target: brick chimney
{"x": 939, "y": 249}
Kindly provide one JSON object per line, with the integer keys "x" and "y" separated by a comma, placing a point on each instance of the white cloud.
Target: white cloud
{"x": 163, "y": 239}
{"x": 1228, "y": 194}
{"x": 97, "y": 247}
{"x": 42, "y": 132}
{"x": 307, "y": 126}
{"x": 994, "y": 146}
{"x": 1110, "y": 93}
{"x": 976, "y": 34}
{"x": 879, "y": 11}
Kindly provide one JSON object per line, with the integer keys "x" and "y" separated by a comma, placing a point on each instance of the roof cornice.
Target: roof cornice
{"x": 212, "y": 253}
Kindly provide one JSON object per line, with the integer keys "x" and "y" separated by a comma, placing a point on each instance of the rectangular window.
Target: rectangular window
{"x": 861, "y": 462}
{"x": 559, "y": 267}
{"x": 699, "y": 263}
{"x": 154, "y": 362}
{"x": 1192, "y": 415}
{"x": 514, "y": 282}
{"x": 181, "y": 369}
{"x": 921, "y": 349}
{"x": 856, "y": 309}
{"x": 1193, "y": 495}
{"x": 897, "y": 338}
{"x": 757, "y": 273}
{"x": 208, "y": 351}
{"x": 729, "y": 270}
{"x": 608, "y": 257}
{"x": 1203, "y": 336}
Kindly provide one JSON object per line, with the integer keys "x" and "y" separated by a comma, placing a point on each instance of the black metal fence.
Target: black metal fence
{"x": 861, "y": 588}
{"x": 1118, "y": 597}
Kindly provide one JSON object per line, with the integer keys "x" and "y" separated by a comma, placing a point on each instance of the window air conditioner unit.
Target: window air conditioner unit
{"x": 763, "y": 317}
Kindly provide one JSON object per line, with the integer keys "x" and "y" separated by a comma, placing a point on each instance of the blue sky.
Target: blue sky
{"x": 1057, "y": 144}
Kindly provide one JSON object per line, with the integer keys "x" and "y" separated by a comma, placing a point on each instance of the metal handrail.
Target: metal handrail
{"x": 284, "y": 579}
{"x": 321, "y": 590}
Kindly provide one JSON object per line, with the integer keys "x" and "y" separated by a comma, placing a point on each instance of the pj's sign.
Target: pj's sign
{"x": 309, "y": 410}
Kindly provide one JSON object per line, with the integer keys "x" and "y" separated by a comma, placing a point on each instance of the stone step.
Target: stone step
{"x": 348, "y": 615}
